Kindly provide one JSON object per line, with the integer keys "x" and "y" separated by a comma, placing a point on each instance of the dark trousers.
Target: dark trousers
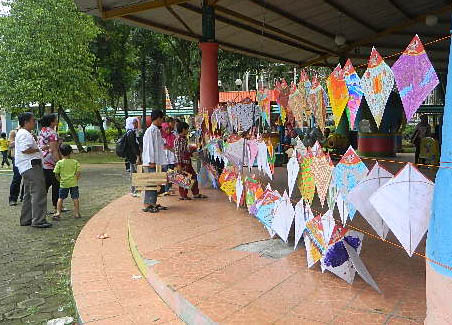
{"x": 34, "y": 208}
{"x": 5, "y": 158}
{"x": 14, "y": 189}
{"x": 183, "y": 192}
{"x": 51, "y": 180}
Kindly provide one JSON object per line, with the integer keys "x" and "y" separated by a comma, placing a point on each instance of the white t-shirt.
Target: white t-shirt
{"x": 170, "y": 156}
{"x": 153, "y": 150}
{"x": 24, "y": 141}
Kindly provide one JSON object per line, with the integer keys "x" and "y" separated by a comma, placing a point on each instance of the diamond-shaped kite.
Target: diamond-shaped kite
{"x": 359, "y": 197}
{"x": 308, "y": 185}
{"x": 415, "y": 77}
{"x": 347, "y": 174}
{"x": 283, "y": 219}
{"x": 404, "y": 203}
{"x": 377, "y": 83}
{"x": 337, "y": 92}
{"x": 292, "y": 172}
{"x": 354, "y": 90}
{"x": 239, "y": 190}
{"x": 322, "y": 171}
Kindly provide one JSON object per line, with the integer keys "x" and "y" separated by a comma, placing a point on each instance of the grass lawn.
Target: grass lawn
{"x": 97, "y": 157}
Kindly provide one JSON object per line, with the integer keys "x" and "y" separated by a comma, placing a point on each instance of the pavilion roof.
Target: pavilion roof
{"x": 299, "y": 32}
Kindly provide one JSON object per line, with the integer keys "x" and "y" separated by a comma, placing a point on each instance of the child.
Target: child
{"x": 67, "y": 171}
{"x": 168, "y": 138}
{"x": 4, "y": 147}
{"x": 183, "y": 154}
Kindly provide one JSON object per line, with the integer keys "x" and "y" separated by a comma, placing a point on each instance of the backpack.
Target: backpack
{"x": 121, "y": 146}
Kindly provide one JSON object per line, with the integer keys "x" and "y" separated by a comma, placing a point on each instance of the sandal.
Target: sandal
{"x": 185, "y": 198}
{"x": 77, "y": 216}
{"x": 161, "y": 207}
{"x": 151, "y": 209}
{"x": 200, "y": 196}
{"x": 56, "y": 217}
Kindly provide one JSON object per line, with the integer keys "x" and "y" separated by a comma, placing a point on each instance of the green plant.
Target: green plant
{"x": 92, "y": 135}
{"x": 408, "y": 131}
{"x": 112, "y": 135}
{"x": 65, "y": 136}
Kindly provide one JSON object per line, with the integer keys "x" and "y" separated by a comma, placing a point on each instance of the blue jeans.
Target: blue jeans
{"x": 14, "y": 189}
{"x": 150, "y": 197}
{"x": 165, "y": 169}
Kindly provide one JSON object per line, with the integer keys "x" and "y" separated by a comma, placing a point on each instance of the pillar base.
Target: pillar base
{"x": 439, "y": 298}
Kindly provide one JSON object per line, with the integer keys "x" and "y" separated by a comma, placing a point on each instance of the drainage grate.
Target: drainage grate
{"x": 270, "y": 248}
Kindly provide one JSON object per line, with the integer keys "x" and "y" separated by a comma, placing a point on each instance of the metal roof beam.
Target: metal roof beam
{"x": 262, "y": 25}
{"x": 292, "y": 18}
{"x": 399, "y": 9}
{"x": 250, "y": 29}
{"x": 388, "y": 31}
{"x": 179, "y": 18}
{"x": 350, "y": 15}
{"x": 139, "y": 7}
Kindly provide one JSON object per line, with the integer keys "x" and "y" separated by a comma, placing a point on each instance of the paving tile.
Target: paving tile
{"x": 251, "y": 315}
{"x": 350, "y": 316}
{"x": 101, "y": 312}
{"x": 292, "y": 319}
{"x": 403, "y": 321}
{"x": 217, "y": 309}
{"x": 118, "y": 320}
{"x": 95, "y": 298}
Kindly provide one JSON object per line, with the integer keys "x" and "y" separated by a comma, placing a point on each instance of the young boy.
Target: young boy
{"x": 4, "y": 147}
{"x": 183, "y": 161}
{"x": 67, "y": 171}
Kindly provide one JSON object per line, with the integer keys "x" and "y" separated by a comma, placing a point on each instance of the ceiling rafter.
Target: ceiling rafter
{"x": 388, "y": 31}
{"x": 293, "y": 18}
{"x": 400, "y": 9}
{"x": 194, "y": 37}
{"x": 179, "y": 18}
{"x": 253, "y": 30}
{"x": 260, "y": 24}
{"x": 349, "y": 14}
{"x": 139, "y": 7}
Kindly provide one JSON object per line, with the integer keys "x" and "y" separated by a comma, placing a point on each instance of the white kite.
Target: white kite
{"x": 404, "y": 203}
{"x": 283, "y": 217}
{"x": 359, "y": 197}
{"x": 239, "y": 190}
{"x": 300, "y": 222}
{"x": 292, "y": 172}
{"x": 343, "y": 208}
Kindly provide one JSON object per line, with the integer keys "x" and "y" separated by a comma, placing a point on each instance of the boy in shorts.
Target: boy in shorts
{"x": 67, "y": 171}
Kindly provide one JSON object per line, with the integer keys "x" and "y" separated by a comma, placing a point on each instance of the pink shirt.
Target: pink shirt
{"x": 46, "y": 136}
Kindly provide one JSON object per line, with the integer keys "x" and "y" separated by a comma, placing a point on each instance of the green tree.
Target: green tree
{"x": 46, "y": 56}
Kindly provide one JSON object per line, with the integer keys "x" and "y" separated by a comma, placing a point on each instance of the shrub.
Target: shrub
{"x": 92, "y": 135}
{"x": 111, "y": 135}
{"x": 65, "y": 136}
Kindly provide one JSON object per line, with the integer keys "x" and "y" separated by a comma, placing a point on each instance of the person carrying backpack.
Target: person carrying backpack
{"x": 131, "y": 150}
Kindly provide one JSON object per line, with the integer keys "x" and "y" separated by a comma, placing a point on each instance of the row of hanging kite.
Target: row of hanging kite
{"x": 400, "y": 203}
{"x": 413, "y": 74}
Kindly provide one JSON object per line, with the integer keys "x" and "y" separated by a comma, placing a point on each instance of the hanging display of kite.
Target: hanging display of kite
{"x": 404, "y": 204}
{"x": 377, "y": 83}
{"x": 347, "y": 174}
{"x": 292, "y": 172}
{"x": 317, "y": 103}
{"x": 359, "y": 197}
{"x": 263, "y": 100}
{"x": 355, "y": 92}
{"x": 337, "y": 93}
{"x": 415, "y": 77}
{"x": 322, "y": 171}
{"x": 283, "y": 219}
{"x": 308, "y": 182}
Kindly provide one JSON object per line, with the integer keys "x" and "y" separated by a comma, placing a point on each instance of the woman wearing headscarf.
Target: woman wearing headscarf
{"x": 168, "y": 138}
{"x": 132, "y": 150}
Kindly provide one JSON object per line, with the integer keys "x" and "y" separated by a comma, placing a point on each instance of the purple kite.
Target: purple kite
{"x": 415, "y": 77}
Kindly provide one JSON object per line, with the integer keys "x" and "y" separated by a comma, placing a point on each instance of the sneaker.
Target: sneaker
{"x": 42, "y": 225}
{"x": 12, "y": 203}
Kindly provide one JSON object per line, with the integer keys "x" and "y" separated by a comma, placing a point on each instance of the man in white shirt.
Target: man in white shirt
{"x": 153, "y": 154}
{"x": 29, "y": 162}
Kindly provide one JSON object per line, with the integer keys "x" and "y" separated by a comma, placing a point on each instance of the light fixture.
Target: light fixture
{"x": 238, "y": 82}
{"x": 219, "y": 83}
{"x": 431, "y": 20}
{"x": 340, "y": 40}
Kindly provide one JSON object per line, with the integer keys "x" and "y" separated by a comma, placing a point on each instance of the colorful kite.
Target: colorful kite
{"x": 266, "y": 205}
{"x": 354, "y": 90}
{"x": 317, "y": 103}
{"x": 322, "y": 172}
{"x": 263, "y": 100}
{"x": 404, "y": 203}
{"x": 359, "y": 197}
{"x": 377, "y": 83}
{"x": 303, "y": 213}
{"x": 337, "y": 92}
{"x": 308, "y": 182}
{"x": 415, "y": 77}
{"x": 347, "y": 174}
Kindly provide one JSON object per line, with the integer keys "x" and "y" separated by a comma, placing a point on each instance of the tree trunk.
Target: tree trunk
{"x": 126, "y": 105}
{"x": 162, "y": 87}
{"x": 102, "y": 130}
{"x": 143, "y": 79}
{"x": 52, "y": 107}
{"x": 195, "y": 104}
{"x": 72, "y": 130}
{"x": 84, "y": 132}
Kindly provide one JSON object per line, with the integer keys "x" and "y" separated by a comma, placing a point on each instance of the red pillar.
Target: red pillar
{"x": 209, "y": 96}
